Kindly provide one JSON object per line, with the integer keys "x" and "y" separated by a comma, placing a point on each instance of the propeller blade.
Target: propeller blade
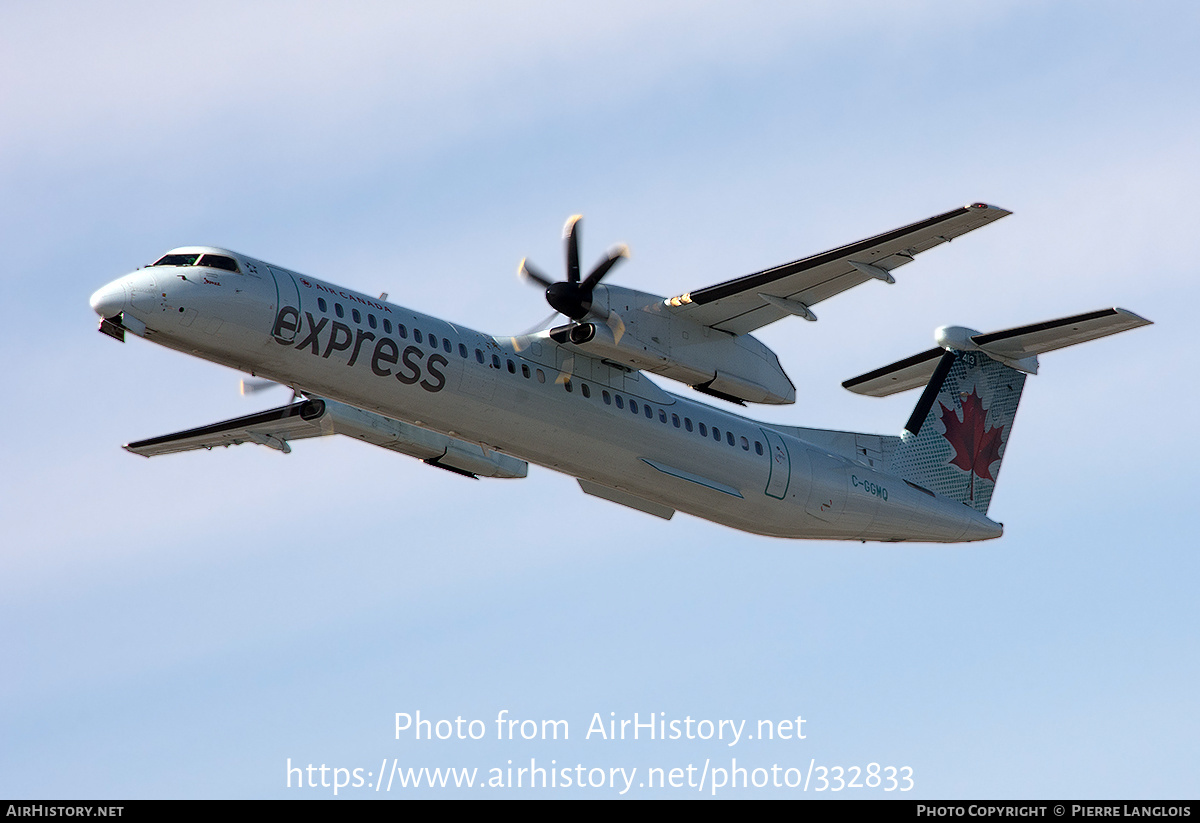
{"x": 571, "y": 235}
{"x": 544, "y": 324}
{"x": 526, "y": 271}
{"x": 614, "y": 322}
{"x": 253, "y": 385}
{"x": 568, "y": 368}
{"x": 614, "y": 256}
{"x": 572, "y": 298}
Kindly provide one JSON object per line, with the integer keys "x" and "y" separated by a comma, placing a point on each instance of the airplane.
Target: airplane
{"x": 577, "y": 398}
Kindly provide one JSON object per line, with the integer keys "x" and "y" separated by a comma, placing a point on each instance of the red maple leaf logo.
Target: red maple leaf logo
{"x": 976, "y": 447}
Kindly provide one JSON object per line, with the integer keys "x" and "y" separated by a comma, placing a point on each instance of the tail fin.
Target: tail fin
{"x": 955, "y": 440}
{"x": 957, "y": 435}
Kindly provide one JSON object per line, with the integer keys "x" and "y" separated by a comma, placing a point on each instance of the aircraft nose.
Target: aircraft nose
{"x": 109, "y": 301}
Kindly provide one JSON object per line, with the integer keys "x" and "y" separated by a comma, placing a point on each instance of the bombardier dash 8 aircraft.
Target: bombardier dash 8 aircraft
{"x": 576, "y": 398}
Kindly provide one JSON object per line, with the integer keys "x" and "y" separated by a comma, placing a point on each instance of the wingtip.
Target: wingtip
{"x": 1134, "y": 317}
{"x": 997, "y": 210}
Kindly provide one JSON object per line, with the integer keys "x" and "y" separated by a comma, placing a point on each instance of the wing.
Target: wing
{"x": 273, "y": 428}
{"x": 316, "y": 418}
{"x": 756, "y": 300}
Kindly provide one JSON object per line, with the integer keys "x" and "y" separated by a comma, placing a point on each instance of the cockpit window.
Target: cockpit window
{"x": 178, "y": 260}
{"x": 212, "y": 261}
{"x": 218, "y": 261}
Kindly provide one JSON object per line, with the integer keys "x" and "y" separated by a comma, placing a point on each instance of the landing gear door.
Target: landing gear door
{"x": 781, "y": 465}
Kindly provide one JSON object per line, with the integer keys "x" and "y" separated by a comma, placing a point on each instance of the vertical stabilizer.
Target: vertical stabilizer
{"x": 957, "y": 435}
{"x": 956, "y": 438}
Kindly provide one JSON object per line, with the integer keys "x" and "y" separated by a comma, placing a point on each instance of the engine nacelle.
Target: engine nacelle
{"x": 642, "y": 333}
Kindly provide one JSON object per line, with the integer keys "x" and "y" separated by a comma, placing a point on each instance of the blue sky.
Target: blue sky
{"x": 181, "y": 627}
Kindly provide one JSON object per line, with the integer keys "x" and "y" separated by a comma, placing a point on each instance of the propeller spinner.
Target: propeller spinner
{"x": 573, "y": 297}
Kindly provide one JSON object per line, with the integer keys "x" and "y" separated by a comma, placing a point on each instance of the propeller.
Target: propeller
{"x": 573, "y": 297}
{"x": 254, "y": 385}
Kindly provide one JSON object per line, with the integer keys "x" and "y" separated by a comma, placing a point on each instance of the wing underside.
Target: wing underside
{"x": 276, "y": 428}
{"x": 756, "y": 300}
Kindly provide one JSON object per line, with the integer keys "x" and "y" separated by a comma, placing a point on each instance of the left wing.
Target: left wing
{"x": 747, "y": 303}
{"x": 316, "y": 418}
{"x": 273, "y": 428}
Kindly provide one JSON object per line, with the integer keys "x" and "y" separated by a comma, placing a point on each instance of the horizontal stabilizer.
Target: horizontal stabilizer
{"x": 1039, "y": 338}
{"x": 1017, "y": 347}
{"x": 910, "y": 373}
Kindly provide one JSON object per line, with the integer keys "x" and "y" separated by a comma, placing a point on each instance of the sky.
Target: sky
{"x": 210, "y": 624}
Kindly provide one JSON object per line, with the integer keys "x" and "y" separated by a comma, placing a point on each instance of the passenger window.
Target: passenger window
{"x": 687, "y": 423}
{"x": 587, "y": 392}
{"x": 387, "y": 325}
{"x": 633, "y": 405}
{"x": 525, "y": 371}
{"x": 662, "y": 416}
{"x": 446, "y": 345}
{"x": 417, "y": 335}
{"x": 432, "y": 341}
{"x": 372, "y": 322}
{"x": 620, "y": 401}
{"x": 321, "y": 304}
{"x": 495, "y": 361}
{"x": 357, "y": 317}
{"x": 512, "y": 367}
{"x": 402, "y": 330}
{"x": 649, "y": 412}
{"x": 541, "y": 376}
{"x": 703, "y": 430}
{"x": 607, "y": 398}
{"x": 745, "y": 445}
{"x": 675, "y": 420}
{"x": 462, "y": 350}
{"x": 479, "y": 355}
{"x": 338, "y": 310}
{"x": 729, "y": 437}
{"x": 567, "y": 385}
{"x": 758, "y": 447}
{"x": 716, "y": 434}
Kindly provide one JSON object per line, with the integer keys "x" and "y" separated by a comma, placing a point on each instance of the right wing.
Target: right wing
{"x": 275, "y": 428}
{"x": 747, "y": 303}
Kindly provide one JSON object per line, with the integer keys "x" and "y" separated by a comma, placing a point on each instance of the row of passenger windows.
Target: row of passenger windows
{"x": 400, "y": 329}
{"x": 643, "y": 408}
{"x": 610, "y": 399}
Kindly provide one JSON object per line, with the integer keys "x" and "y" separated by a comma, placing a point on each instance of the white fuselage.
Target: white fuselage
{"x": 531, "y": 398}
